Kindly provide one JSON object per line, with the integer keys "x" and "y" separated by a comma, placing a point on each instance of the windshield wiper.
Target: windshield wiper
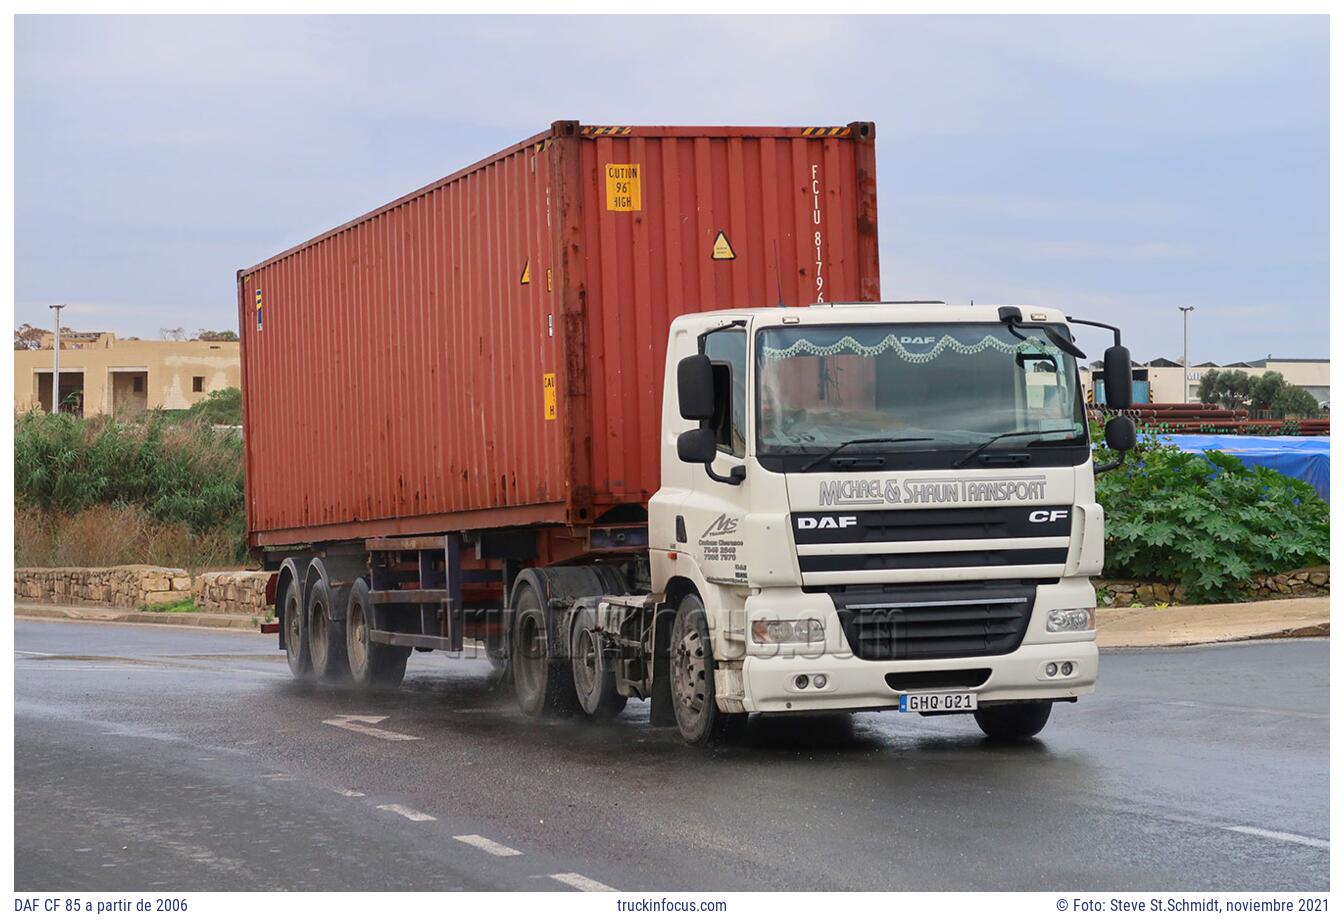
{"x": 843, "y": 444}
{"x": 1007, "y": 434}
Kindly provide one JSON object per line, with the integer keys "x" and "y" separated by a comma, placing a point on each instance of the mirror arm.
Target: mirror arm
{"x": 734, "y": 478}
{"x": 1092, "y": 322}
{"x": 1099, "y": 468}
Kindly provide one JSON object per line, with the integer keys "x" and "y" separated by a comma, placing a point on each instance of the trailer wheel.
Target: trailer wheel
{"x": 692, "y": 672}
{"x": 1013, "y": 721}
{"x": 326, "y": 637}
{"x": 594, "y": 678}
{"x": 296, "y": 632}
{"x": 371, "y": 664}
{"x": 543, "y": 686}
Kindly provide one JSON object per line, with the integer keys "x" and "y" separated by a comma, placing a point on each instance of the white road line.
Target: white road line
{"x": 349, "y": 793}
{"x": 410, "y": 814}
{"x": 485, "y": 843}
{"x": 581, "y": 882}
{"x": 364, "y": 725}
{"x": 1280, "y": 835}
{"x": 19, "y": 651}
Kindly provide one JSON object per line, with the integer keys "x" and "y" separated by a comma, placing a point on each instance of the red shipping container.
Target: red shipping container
{"x": 488, "y": 351}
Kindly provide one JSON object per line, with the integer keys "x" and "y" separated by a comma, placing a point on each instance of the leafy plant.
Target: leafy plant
{"x": 1207, "y": 521}
{"x": 186, "y": 605}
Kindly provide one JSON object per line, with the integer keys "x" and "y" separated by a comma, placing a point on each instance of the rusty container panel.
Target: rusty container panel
{"x": 487, "y": 351}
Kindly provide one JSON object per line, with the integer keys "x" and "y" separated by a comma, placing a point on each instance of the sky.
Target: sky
{"x": 1117, "y": 167}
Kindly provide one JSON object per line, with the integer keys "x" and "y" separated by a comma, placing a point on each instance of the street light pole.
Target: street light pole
{"x": 56, "y": 362}
{"x": 1185, "y": 354}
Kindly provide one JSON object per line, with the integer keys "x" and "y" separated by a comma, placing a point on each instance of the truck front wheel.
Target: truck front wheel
{"x": 1013, "y": 721}
{"x": 692, "y": 672}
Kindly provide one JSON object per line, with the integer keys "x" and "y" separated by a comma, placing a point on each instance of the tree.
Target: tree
{"x": 1229, "y": 389}
{"x": 177, "y": 334}
{"x": 1293, "y": 401}
{"x": 209, "y": 335}
{"x": 1265, "y": 389}
{"x": 29, "y": 338}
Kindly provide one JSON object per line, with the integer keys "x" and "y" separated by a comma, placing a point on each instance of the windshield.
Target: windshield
{"x": 946, "y": 385}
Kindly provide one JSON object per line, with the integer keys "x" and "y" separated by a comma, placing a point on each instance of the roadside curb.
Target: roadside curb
{"x": 1175, "y": 627}
{"x": 244, "y": 621}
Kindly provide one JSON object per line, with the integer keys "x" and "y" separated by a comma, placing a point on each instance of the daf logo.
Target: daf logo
{"x": 826, "y": 523}
{"x": 1042, "y": 517}
{"x": 916, "y": 340}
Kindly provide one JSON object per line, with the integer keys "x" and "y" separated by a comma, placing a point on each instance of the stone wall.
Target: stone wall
{"x": 1309, "y": 582}
{"x": 117, "y": 586}
{"x": 242, "y": 592}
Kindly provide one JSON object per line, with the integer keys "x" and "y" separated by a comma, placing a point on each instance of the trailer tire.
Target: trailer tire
{"x": 326, "y": 635}
{"x": 699, "y": 718}
{"x": 594, "y": 679}
{"x": 296, "y": 632}
{"x": 371, "y": 664}
{"x": 542, "y": 685}
{"x": 1013, "y": 721}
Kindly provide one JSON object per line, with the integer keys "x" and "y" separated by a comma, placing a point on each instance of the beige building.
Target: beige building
{"x": 1163, "y": 377}
{"x": 101, "y": 374}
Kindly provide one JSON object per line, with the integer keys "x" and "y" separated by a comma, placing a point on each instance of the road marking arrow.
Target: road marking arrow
{"x": 365, "y": 726}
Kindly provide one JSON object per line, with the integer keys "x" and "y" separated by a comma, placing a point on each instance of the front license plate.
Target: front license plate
{"x": 937, "y": 702}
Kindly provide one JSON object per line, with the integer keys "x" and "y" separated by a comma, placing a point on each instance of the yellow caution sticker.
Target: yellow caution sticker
{"x": 548, "y": 279}
{"x": 723, "y": 250}
{"x": 548, "y": 396}
{"x": 623, "y": 187}
{"x": 258, "y": 309}
{"x": 526, "y": 277}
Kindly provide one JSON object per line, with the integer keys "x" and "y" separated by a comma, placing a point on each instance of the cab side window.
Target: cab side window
{"x": 727, "y": 350}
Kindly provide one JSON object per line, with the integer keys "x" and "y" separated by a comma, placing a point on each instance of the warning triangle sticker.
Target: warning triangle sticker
{"x": 723, "y": 250}
{"x": 527, "y": 273}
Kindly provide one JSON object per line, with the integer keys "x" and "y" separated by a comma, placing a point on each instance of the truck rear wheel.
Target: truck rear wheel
{"x": 692, "y": 670}
{"x": 543, "y": 686}
{"x": 1013, "y": 721}
{"x": 594, "y": 678}
{"x": 296, "y": 632}
{"x": 326, "y": 636}
{"x": 372, "y": 664}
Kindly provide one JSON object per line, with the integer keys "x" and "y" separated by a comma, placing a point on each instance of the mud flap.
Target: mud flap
{"x": 661, "y": 713}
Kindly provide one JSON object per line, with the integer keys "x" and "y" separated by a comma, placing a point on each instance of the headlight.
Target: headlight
{"x": 778, "y": 632}
{"x": 1071, "y": 619}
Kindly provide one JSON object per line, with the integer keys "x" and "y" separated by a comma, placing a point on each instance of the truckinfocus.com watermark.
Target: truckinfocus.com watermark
{"x": 669, "y": 905}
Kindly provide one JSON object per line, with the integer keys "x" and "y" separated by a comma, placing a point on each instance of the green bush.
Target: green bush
{"x": 1207, "y": 521}
{"x": 177, "y": 471}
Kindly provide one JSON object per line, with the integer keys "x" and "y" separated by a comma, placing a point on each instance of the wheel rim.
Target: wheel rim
{"x": 586, "y": 663}
{"x": 688, "y": 675}
{"x": 359, "y": 637}
{"x": 293, "y": 626}
{"x": 317, "y": 632}
{"x": 531, "y": 659}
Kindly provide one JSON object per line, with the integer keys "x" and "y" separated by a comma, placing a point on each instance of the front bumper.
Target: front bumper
{"x": 852, "y": 683}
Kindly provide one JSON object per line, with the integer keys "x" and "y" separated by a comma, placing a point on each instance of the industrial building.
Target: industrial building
{"x": 1160, "y": 380}
{"x": 101, "y": 374}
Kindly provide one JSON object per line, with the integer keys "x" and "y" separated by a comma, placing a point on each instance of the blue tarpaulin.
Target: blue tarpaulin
{"x": 1307, "y": 459}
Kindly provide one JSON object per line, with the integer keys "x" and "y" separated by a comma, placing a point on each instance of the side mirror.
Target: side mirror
{"x": 697, "y": 445}
{"x": 1120, "y": 434}
{"x": 1119, "y": 376}
{"x": 695, "y": 391}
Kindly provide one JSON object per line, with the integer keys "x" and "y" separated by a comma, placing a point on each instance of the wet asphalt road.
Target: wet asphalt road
{"x": 158, "y": 758}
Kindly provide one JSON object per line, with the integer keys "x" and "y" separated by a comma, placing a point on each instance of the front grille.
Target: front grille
{"x": 894, "y": 624}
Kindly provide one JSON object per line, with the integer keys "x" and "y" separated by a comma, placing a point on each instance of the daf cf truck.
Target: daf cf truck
{"x": 621, "y": 406}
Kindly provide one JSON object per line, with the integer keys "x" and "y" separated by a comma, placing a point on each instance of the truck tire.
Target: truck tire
{"x": 371, "y": 664}
{"x": 542, "y": 685}
{"x": 1013, "y": 721}
{"x": 692, "y": 672}
{"x": 594, "y": 678}
{"x": 296, "y": 632}
{"x": 326, "y": 636}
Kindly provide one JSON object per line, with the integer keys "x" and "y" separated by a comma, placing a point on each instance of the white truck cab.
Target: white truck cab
{"x": 877, "y": 506}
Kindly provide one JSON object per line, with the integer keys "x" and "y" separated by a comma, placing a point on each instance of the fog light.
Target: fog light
{"x": 800, "y": 681}
{"x": 1051, "y": 669}
{"x": 819, "y": 681}
{"x": 1066, "y": 668}
{"x": 1071, "y": 619}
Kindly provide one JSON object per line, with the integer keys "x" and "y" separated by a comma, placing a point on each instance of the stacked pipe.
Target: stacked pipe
{"x": 1207, "y": 418}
